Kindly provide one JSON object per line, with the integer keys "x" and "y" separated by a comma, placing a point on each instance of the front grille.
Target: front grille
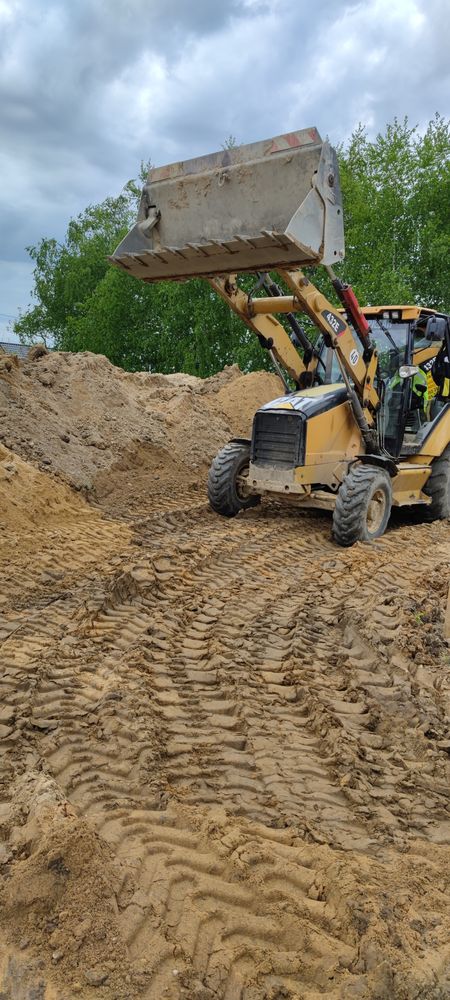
{"x": 278, "y": 439}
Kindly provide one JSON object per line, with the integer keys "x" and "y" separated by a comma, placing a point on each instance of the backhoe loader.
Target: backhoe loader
{"x": 361, "y": 425}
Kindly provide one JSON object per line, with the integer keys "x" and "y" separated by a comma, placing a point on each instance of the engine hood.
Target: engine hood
{"x": 309, "y": 402}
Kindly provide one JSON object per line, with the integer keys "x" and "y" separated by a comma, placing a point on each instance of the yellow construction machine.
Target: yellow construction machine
{"x": 364, "y": 421}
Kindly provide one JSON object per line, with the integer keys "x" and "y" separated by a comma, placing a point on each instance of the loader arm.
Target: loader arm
{"x": 359, "y": 361}
{"x": 270, "y": 332}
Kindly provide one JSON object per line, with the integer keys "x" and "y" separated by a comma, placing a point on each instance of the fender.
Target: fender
{"x": 383, "y": 463}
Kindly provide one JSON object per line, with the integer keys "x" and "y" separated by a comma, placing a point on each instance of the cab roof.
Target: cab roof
{"x": 398, "y": 312}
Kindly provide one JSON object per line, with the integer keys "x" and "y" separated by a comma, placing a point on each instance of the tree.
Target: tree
{"x": 396, "y": 193}
{"x": 67, "y": 274}
{"x": 165, "y": 327}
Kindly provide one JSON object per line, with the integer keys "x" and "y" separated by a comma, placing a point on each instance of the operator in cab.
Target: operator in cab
{"x": 437, "y": 369}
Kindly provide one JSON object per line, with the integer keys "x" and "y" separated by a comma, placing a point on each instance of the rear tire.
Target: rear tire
{"x": 438, "y": 488}
{"x": 225, "y": 492}
{"x": 363, "y": 505}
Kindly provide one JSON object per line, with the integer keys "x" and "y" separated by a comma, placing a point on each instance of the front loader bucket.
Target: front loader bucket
{"x": 259, "y": 207}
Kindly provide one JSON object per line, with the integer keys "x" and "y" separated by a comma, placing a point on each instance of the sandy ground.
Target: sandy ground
{"x": 223, "y": 744}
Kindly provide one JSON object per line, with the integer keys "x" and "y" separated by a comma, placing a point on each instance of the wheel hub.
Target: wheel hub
{"x": 242, "y": 487}
{"x": 376, "y": 511}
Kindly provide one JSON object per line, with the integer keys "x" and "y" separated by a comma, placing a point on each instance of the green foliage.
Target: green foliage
{"x": 396, "y": 192}
{"x": 67, "y": 275}
{"x": 164, "y": 327}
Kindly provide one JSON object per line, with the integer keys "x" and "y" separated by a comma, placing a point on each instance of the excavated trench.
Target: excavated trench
{"x": 223, "y": 744}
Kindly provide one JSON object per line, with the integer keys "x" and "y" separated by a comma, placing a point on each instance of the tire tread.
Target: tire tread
{"x": 438, "y": 488}
{"x": 349, "y": 516}
{"x": 221, "y": 480}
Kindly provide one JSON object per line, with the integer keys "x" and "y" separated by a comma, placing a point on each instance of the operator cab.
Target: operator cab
{"x": 407, "y": 412}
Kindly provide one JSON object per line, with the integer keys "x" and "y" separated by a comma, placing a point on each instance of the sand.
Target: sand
{"x": 223, "y": 744}
{"x": 77, "y": 415}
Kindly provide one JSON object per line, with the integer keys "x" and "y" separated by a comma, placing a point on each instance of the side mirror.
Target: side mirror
{"x": 436, "y": 328}
{"x": 407, "y": 371}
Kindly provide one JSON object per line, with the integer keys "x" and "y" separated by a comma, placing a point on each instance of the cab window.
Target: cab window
{"x": 390, "y": 338}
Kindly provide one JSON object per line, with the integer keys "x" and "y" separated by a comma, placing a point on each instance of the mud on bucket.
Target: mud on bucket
{"x": 270, "y": 204}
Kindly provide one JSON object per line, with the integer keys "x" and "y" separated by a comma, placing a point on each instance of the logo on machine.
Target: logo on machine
{"x": 354, "y": 358}
{"x": 335, "y": 323}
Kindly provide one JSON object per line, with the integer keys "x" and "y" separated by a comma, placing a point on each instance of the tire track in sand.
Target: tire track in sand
{"x": 204, "y": 681}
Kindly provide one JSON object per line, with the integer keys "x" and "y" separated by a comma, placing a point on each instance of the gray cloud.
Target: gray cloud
{"x": 89, "y": 89}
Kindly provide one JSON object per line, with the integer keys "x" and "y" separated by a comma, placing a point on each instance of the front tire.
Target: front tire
{"x": 363, "y": 505}
{"x": 227, "y": 492}
{"x": 438, "y": 488}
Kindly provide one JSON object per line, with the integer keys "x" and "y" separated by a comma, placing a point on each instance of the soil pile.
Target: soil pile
{"x": 240, "y": 397}
{"x": 78, "y": 415}
{"x": 48, "y": 533}
{"x": 224, "y": 744}
{"x": 61, "y": 896}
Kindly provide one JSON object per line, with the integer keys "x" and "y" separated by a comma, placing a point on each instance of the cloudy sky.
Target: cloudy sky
{"x": 89, "y": 88}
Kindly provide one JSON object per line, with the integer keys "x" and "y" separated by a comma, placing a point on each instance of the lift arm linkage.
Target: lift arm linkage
{"x": 337, "y": 333}
{"x": 264, "y": 324}
{"x": 258, "y": 313}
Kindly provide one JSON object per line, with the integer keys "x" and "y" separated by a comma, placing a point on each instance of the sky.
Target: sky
{"x": 90, "y": 88}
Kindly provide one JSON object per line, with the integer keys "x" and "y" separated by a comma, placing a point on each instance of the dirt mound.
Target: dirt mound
{"x": 48, "y": 533}
{"x": 77, "y": 414}
{"x": 239, "y": 398}
{"x": 59, "y": 904}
